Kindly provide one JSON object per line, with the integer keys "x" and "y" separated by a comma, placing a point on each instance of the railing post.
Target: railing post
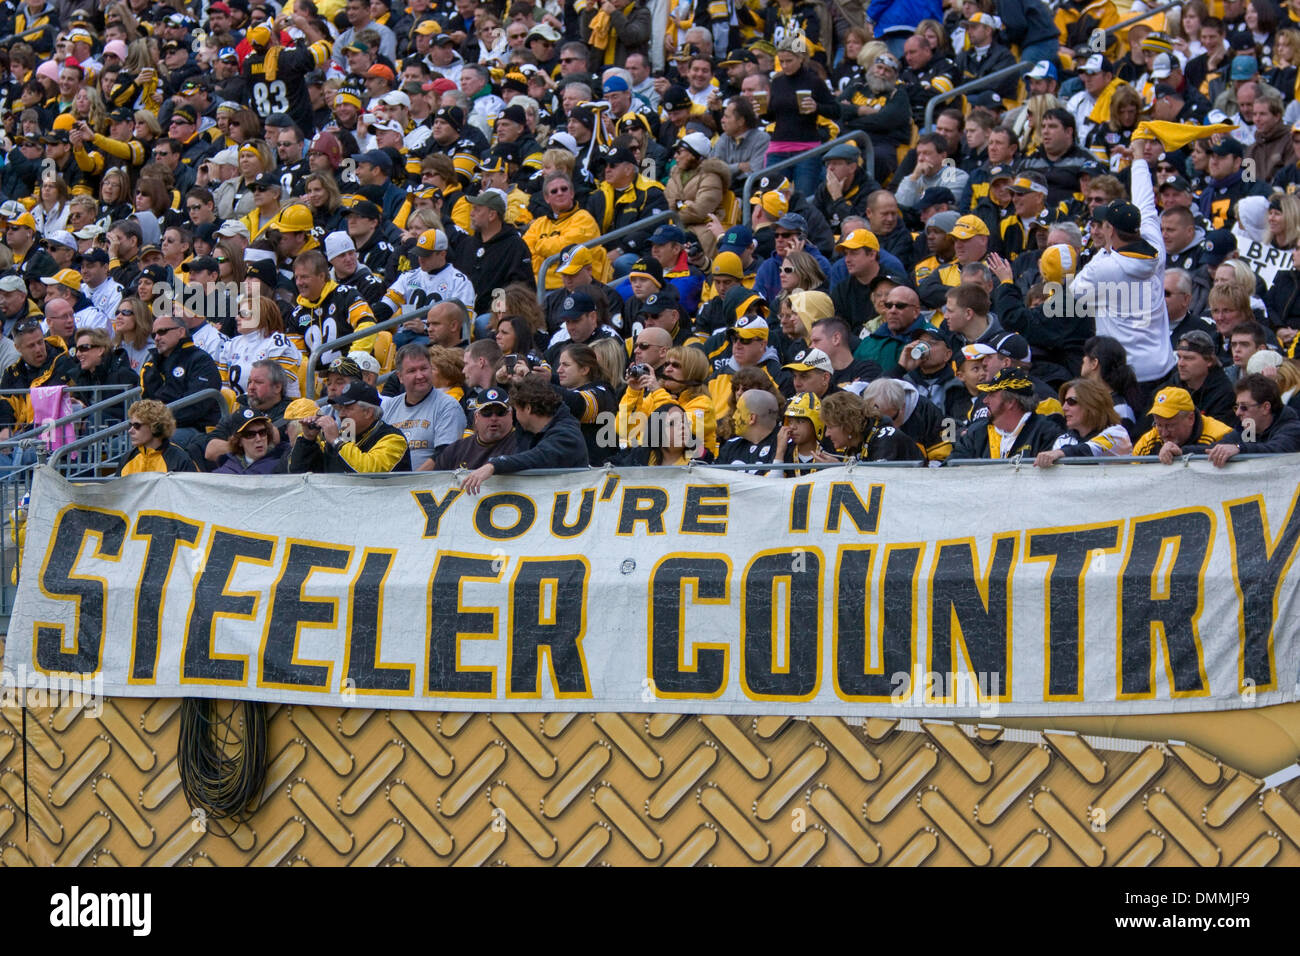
{"x": 977, "y": 83}
{"x": 855, "y": 136}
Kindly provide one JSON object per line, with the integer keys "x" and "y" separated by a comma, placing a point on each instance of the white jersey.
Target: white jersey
{"x": 415, "y": 289}
{"x": 1125, "y": 289}
{"x": 209, "y": 338}
{"x": 242, "y": 351}
{"x": 92, "y": 318}
{"x": 106, "y": 298}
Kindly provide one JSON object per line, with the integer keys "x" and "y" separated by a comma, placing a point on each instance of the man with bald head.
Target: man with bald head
{"x": 59, "y": 319}
{"x": 901, "y": 308}
{"x": 757, "y": 420}
{"x": 651, "y": 346}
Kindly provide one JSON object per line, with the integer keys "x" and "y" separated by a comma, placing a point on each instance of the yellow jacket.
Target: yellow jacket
{"x": 699, "y": 413}
{"x": 549, "y": 235}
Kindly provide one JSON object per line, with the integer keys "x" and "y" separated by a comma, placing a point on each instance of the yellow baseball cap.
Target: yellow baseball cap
{"x": 1172, "y": 401}
{"x": 295, "y": 218}
{"x": 578, "y": 260}
{"x": 968, "y": 227}
{"x": 773, "y": 203}
{"x": 68, "y": 278}
{"x": 428, "y": 28}
{"x": 859, "y": 239}
{"x": 24, "y": 220}
{"x": 64, "y": 121}
{"x": 259, "y": 36}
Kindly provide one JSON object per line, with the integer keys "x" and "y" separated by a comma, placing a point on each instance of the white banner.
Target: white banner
{"x": 1264, "y": 259}
{"x": 931, "y": 593}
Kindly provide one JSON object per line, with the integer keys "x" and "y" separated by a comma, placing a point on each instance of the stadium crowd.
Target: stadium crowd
{"x": 204, "y": 196}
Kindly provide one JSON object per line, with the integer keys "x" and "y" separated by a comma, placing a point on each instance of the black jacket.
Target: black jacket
{"x": 188, "y": 369}
{"x": 853, "y": 202}
{"x": 1058, "y": 340}
{"x": 559, "y": 445}
{"x": 115, "y": 369}
{"x": 309, "y": 455}
{"x": 1216, "y": 396}
{"x": 1282, "y": 436}
{"x": 1038, "y": 434}
{"x": 495, "y": 264}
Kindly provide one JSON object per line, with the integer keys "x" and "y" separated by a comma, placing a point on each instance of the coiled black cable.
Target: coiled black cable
{"x": 222, "y": 759}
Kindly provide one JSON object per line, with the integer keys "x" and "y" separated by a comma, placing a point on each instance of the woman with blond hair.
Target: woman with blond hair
{"x": 1112, "y": 138}
{"x": 800, "y": 271}
{"x": 150, "y": 428}
{"x": 323, "y": 198}
{"x": 448, "y": 370}
{"x": 133, "y": 330}
{"x": 681, "y": 379}
{"x": 1093, "y": 427}
{"x": 261, "y": 337}
{"x": 1284, "y": 218}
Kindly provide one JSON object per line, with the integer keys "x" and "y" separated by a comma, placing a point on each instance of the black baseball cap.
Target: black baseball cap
{"x": 659, "y": 302}
{"x": 935, "y": 195}
{"x": 356, "y": 391}
{"x": 366, "y": 209}
{"x": 574, "y": 305}
{"x": 1124, "y": 216}
{"x": 490, "y": 396}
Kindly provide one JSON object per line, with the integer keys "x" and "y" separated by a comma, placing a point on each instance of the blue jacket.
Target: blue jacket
{"x": 1026, "y": 21}
{"x": 902, "y": 14}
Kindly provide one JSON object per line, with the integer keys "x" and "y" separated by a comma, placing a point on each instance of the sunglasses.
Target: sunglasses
{"x": 570, "y": 59}
{"x": 786, "y": 235}
{"x": 170, "y": 328}
{"x": 897, "y": 305}
{"x": 255, "y": 433}
{"x": 559, "y": 191}
{"x": 493, "y": 411}
{"x": 1070, "y": 402}
{"x": 86, "y": 348}
{"x": 787, "y": 270}
{"x": 135, "y": 425}
{"x": 125, "y": 312}
{"x": 642, "y": 345}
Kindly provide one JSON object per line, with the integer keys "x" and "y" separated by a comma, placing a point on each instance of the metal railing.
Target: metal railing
{"x": 639, "y": 226}
{"x": 856, "y": 136}
{"x": 58, "y": 460}
{"x": 35, "y": 432}
{"x": 978, "y": 83}
{"x": 333, "y": 344}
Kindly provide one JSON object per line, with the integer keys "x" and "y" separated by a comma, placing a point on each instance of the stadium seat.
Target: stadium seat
{"x": 384, "y": 352}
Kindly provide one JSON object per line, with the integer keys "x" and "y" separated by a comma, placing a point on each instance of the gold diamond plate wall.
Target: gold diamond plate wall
{"x": 367, "y": 788}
